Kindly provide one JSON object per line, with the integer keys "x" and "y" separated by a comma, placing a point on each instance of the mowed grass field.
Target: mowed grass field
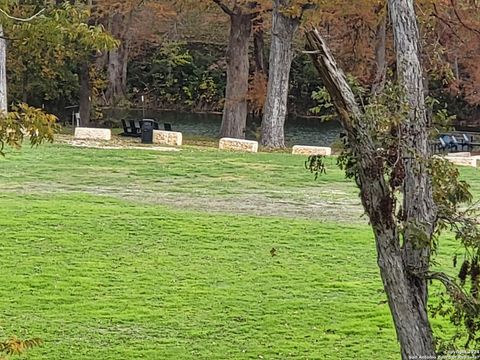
{"x": 133, "y": 254}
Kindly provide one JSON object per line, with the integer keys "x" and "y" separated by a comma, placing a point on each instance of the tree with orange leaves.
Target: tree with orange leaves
{"x": 456, "y": 46}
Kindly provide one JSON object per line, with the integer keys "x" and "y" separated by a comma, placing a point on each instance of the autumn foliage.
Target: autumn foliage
{"x": 15, "y": 346}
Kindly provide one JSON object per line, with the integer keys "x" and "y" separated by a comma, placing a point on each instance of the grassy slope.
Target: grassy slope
{"x": 261, "y": 184}
{"x": 100, "y": 272}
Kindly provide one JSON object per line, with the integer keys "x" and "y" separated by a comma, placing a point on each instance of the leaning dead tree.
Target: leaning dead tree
{"x": 403, "y": 231}
{"x": 408, "y": 195}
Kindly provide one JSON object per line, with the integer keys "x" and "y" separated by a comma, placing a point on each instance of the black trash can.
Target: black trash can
{"x": 147, "y": 131}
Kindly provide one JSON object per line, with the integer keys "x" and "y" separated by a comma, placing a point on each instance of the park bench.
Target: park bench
{"x": 451, "y": 144}
{"x": 134, "y": 127}
{"x": 468, "y": 143}
{"x": 447, "y": 143}
{"x": 131, "y": 128}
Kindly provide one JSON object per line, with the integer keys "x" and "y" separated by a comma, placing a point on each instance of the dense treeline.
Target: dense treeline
{"x": 175, "y": 55}
{"x": 191, "y": 77}
{"x": 183, "y": 76}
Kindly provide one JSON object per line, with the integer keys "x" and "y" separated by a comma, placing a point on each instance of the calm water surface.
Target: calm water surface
{"x": 298, "y": 131}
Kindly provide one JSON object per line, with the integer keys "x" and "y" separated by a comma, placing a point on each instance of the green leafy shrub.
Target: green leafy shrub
{"x": 178, "y": 77}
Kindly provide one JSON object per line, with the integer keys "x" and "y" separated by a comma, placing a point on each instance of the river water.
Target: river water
{"x": 298, "y": 130}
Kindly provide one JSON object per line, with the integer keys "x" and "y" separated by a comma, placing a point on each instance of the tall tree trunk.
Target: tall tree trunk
{"x": 418, "y": 204}
{"x": 259, "y": 46}
{"x": 235, "y": 110}
{"x": 406, "y": 293}
{"x": 85, "y": 95}
{"x": 280, "y": 61}
{"x": 259, "y": 81}
{"x": 403, "y": 264}
{"x": 380, "y": 57}
{"x": 117, "y": 60}
{"x": 116, "y": 89}
{"x": 3, "y": 72}
{"x": 25, "y": 86}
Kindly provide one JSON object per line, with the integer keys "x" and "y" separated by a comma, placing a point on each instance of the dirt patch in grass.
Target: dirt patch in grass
{"x": 313, "y": 204}
{"x": 258, "y": 204}
{"x": 197, "y": 179}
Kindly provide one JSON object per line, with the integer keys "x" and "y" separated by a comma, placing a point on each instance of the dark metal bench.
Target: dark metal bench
{"x": 133, "y": 128}
{"x": 453, "y": 143}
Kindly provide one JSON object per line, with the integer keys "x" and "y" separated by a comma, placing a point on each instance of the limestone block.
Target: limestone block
{"x": 172, "y": 138}
{"x": 462, "y": 154}
{"x": 311, "y": 150}
{"x": 238, "y": 145}
{"x": 473, "y": 161}
{"x": 92, "y": 133}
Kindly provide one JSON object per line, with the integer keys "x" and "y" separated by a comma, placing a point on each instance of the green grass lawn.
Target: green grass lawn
{"x": 132, "y": 254}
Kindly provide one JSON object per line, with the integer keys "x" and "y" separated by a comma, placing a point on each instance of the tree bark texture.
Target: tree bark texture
{"x": 117, "y": 59}
{"x": 406, "y": 292}
{"x": 85, "y": 95}
{"x": 116, "y": 89}
{"x": 419, "y": 207}
{"x": 284, "y": 27}
{"x": 380, "y": 57}
{"x": 3, "y": 72}
{"x": 259, "y": 46}
{"x": 235, "y": 109}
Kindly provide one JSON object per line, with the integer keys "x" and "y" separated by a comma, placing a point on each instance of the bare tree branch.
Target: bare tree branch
{"x": 447, "y": 23}
{"x": 224, "y": 7}
{"x": 22, "y": 19}
{"x": 459, "y": 18}
{"x": 455, "y": 290}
